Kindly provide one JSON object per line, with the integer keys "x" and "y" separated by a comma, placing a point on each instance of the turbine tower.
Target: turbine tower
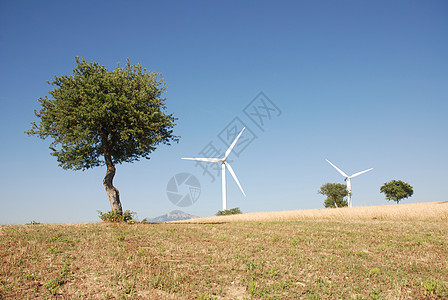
{"x": 348, "y": 180}
{"x": 224, "y": 165}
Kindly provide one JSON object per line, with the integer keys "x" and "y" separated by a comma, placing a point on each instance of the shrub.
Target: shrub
{"x": 227, "y": 212}
{"x": 33, "y": 223}
{"x": 117, "y": 216}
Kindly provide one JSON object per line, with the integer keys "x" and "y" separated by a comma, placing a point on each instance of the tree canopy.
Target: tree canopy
{"x": 99, "y": 117}
{"x": 396, "y": 190}
{"x": 335, "y": 193}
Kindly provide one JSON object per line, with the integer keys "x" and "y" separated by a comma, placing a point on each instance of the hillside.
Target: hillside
{"x": 325, "y": 255}
{"x": 400, "y": 212}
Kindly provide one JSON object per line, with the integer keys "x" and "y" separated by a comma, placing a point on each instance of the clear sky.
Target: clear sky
{"x": 361, "y": 83}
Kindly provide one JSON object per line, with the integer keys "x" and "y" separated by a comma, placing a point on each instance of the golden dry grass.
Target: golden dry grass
{"x": 322, "y": 257}
{"x": 432, "y": 211}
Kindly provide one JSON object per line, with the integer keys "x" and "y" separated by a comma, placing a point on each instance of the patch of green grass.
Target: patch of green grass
{"x": 430, "y": 286}
{"x": 374, "y": 272}
{"x": 52, "y": 287}
{"x": 273, "y": 273}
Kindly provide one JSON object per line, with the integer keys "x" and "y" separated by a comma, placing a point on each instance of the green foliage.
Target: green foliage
{"x": 396, "y": 190}
{"x": 232, "y": 211}
{"x": 95, "y": 110}
{"x": 64, "y": 275}
{"x": 374, "y": 272}
{"x": 273, "y": 273}
{"x": 33, "y": 223}
{"x": 98, "y": 117}
{"x": 52, "y": 287}
{"x": 205, "y": 297}
{"x": 430, "y": 286}
{"x": 252, "y": 289}
{"x": 335, "y": 193}
{"x": 294, "y": 242}
{"x": 117, "y": 216}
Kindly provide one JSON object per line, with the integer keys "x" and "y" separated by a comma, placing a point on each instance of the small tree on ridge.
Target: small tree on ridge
{"x": 396, "y": 190}
{"x": 335, "y": 193}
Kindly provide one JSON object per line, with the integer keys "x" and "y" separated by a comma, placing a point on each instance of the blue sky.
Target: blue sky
{"x": 363, "y": 84}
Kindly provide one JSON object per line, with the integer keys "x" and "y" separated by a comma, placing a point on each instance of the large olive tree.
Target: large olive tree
{"x": 99, "y": 117}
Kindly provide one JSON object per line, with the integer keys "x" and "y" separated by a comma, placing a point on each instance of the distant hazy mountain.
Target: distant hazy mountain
{"x": 175, "y": 215}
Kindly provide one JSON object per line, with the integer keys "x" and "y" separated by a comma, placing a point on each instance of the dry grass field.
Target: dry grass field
{"x": 401, "y": 212}
{"x": 357, "y": 253}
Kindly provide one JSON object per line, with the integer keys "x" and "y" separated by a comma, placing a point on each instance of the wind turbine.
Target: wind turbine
{"x": 224, "y": 165}
{"x": 348, "y": 180}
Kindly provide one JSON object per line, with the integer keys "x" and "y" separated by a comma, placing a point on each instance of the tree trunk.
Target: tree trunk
{"x": 112, "y": 192}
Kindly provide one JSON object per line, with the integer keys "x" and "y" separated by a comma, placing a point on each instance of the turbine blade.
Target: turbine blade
{"x": 233, "y": 144}
{"x": 359, "y": 173}
{"x": 234, "y": 177}
{"x": 203, "y": 159}
{"x": 339, "y": 170}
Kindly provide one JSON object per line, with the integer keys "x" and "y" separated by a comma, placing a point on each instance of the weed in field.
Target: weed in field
{"x": 375, "y": 295}
{"x": 384, "y": 246}
{"x": 120, "y": 237}
{"x": 442, "y": 290}
{"x": 32, "y": 276}
{"x": 251, "y": 266}
{"x": 430, "y": 286}
{"x": 294, "y": 242}
{"x": 19, "y": 262}
{"x": 273, "y": 273}
{"x": 129, "y": 288}
{"x": 275, "y": 239}
{"x": 361, "y": 254}
{"x": 258, "y": 249}
{"x": 252, "y": 289}
{"x": 52, "y": 287}
{"x": 374, "y": 272}
{"x": 205, "y": 297}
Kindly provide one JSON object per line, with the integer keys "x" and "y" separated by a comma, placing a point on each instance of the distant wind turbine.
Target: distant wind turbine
{"x": 348, "y": 180}
{"x": 224, "y": 165}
